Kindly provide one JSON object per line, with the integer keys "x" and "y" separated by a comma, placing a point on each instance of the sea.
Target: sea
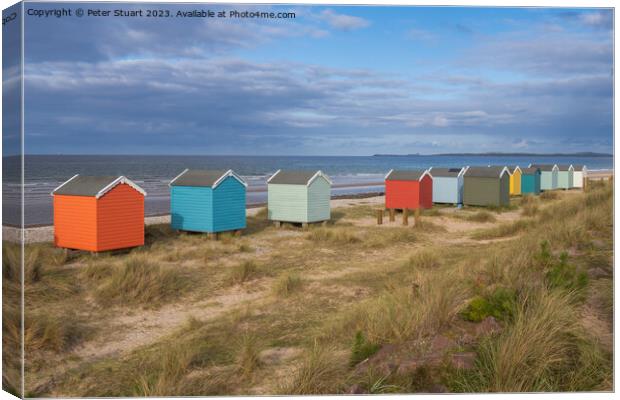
{"x": 351, "y": 175}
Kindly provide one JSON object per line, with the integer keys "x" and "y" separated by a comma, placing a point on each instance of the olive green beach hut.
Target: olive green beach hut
{"x": 486, "y": 186}
{"x": 299, "y": 196}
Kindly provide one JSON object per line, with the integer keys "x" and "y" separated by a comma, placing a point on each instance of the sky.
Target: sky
{"x": 335, "y": 80}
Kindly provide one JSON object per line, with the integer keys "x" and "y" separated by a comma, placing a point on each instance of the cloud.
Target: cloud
{"x": 421, "y": 35}
{"x": 344, "y": 22}
{"x": 145, "y": 87}
{"x": 600, "y": 19}
{"x": 229, "y": 105}
{"x": 557, "y": 54}
{"x": 146, "y": 38}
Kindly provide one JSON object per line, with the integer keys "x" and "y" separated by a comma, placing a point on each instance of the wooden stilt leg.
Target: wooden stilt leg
{"x": 379, "y": 217}
{"x": 405, "y": 217}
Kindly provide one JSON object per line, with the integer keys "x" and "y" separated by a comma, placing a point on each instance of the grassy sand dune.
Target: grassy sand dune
{"x": 514, "y": 299}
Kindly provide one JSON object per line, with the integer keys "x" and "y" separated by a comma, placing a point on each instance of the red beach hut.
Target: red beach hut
{"x": 408, "y": 189}
{"x": 98, "y": 213}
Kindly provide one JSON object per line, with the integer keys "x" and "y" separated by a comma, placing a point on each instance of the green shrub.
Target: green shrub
{"x": 362, "y": 349}
{"x": 500, "y": 304}
{"x": 563, "y": 275}
{"x": 559, "y": 273}
{"x": 543, "y": 258}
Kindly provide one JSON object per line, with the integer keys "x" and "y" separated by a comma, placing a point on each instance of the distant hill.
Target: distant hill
{"x": 495, "y": 154}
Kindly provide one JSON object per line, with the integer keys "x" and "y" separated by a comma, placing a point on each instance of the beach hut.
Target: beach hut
{"x": 409, "y": 189}
{"x": 98, "y": 213}
{"x": 565, "y": 176}
{"x": 530, "y": 181}
{"x": 207, "y": 201}
{"x": 299, "y": 196}
{"x": 486, "y": 186}
{"x": 579, "y": 174}
{"x": 548, "y": 176}
{"x": 448, "y": 185}
{"x": 515, "y": 180}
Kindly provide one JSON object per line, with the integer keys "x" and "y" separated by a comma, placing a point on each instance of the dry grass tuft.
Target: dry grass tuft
{"x": 534, "y": 352}
{"x": 137, "y": 279}
{"x": 424, "y": 259}
{"x": 247, "y": 357}
{"x": 478, "y": 216}
{"x": 318, "y": 374}
{"x": 44, "y": 331}
{"x": 246, "y": 271}
{"x": 401, "y": 313}
{"x": 287, "y": 284}
{"x": 503, "y": 230}
{"x": 529, "y": 210}
{"x": 549, "y": 195}
{"x": 338, "y": 236}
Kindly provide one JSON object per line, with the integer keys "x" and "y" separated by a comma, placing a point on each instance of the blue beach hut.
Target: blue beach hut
{"x": 448, "y": 185}
{"x": 530, "y": 181}
{"x": 207, "y": 201}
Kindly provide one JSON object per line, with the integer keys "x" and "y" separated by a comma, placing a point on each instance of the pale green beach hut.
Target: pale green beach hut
{"x": 548, "y": 176}
{"x": 565, "y": 176}
{"x": 299, "y": 196}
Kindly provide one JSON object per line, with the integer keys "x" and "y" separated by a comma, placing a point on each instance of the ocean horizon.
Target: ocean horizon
{"x": 350, "y": 174}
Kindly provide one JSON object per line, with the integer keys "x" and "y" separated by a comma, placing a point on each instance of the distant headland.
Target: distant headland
{"x": 499, "y": 154}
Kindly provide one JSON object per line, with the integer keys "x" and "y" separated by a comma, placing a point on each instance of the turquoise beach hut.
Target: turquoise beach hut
{"x": 448, "y": 185}
{"x": 207, "y": 201}
{"x": 530, "y": 181}
{"x": 299, "y": 196}
{"x": 548, "y": 176}
{"x": 565, "y": 176}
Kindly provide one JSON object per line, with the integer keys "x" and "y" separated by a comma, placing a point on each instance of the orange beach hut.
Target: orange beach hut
{"x": 98, "y": 213}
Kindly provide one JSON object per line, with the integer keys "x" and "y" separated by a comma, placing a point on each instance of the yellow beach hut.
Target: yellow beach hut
{"x": 515, "y": 180}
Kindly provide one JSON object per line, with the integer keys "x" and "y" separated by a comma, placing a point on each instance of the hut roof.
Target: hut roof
{"x": 204, "y": 178}
{"x": 565, "y": 167}
{"x": 402, "y": 175}
{"x": 579, "y": 167}
{"x": 96, "y": 186}
{"x": 296, "y": 177}
{"x": 447, "y": 172}
{"x": 529, "y": 171}
{"x": 486, "y": 172}
{"x": 508, "y": 169}
{"x": 513, "y": 168}
{"x": 544, "y": 167}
